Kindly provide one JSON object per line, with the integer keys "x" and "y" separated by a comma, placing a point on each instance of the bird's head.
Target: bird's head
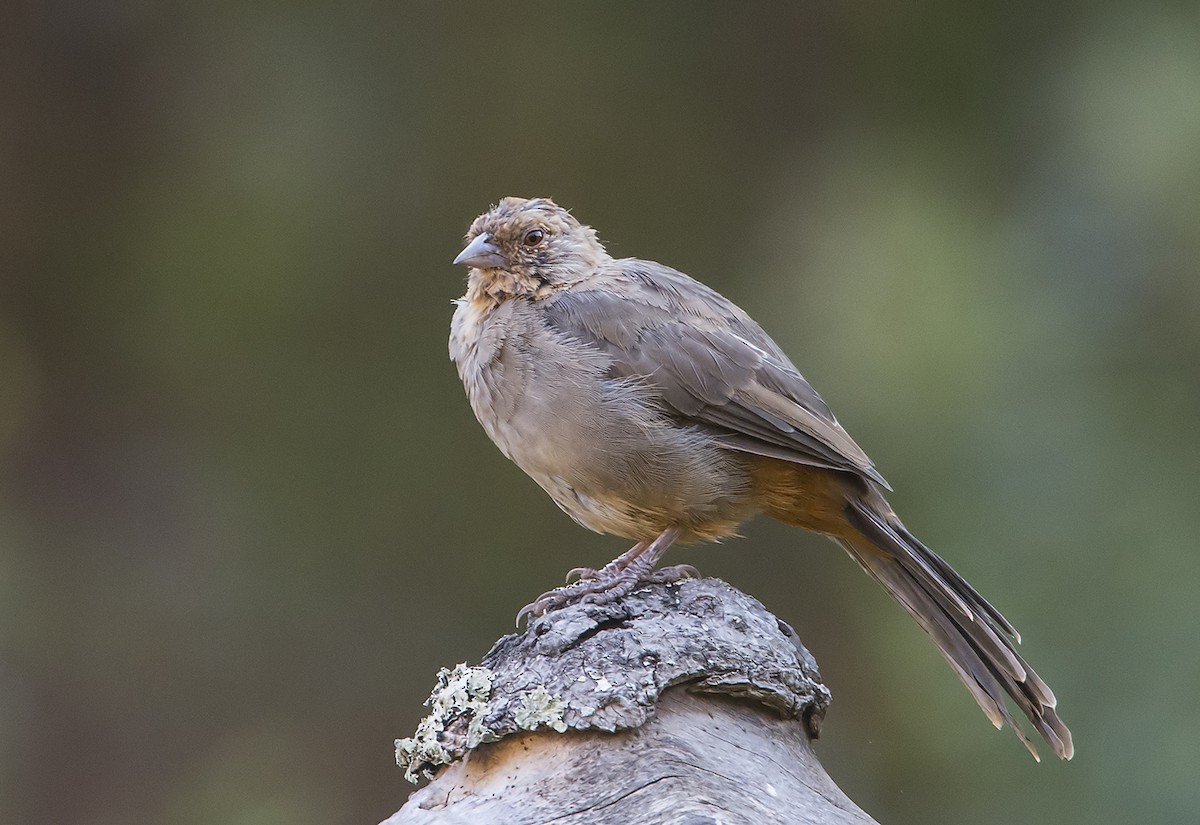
{"x": 531, "y": 244}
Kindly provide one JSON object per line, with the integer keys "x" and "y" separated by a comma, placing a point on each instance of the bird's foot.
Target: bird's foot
{"x": 591, "y": 583}
{"x": 604, "y": 586}
{"x": 560, "y": 596}
{"x": 670, "y": 575}
{"x": 663, "y": 575}
{"x": 615, "y": 579}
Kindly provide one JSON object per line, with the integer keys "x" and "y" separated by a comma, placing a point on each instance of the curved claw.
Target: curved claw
{"x": 535, "y": 608}
{"x": 527, "y": 610}
{"x": 674, "y": 573}
{"x": 582, "y": 573}
{"x": 547, "y": 602}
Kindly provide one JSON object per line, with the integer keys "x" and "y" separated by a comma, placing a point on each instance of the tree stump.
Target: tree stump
{"x": 685, "y": 703}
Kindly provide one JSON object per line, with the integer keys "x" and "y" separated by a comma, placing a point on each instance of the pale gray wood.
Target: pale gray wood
{"x": 686, "y": 703}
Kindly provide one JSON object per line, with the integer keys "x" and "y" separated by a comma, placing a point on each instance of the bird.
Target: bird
{"x": 649, "y": 406}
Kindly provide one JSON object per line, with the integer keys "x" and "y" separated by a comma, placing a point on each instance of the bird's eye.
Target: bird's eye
{"x": 533, "y": 237}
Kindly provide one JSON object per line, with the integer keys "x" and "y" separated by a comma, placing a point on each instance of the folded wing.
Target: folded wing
{"x": 713, "y": 365}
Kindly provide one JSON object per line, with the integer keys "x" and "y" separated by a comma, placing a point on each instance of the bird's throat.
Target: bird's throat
{"x": 487, "y": 288}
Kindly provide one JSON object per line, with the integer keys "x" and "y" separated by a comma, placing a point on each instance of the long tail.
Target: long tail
{"x": 975, "y": 639}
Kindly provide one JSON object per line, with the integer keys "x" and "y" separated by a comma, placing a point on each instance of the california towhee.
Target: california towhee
{"x": 650, "y": 407}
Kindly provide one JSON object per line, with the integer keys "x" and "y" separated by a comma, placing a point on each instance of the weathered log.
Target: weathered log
{"x": 684, "y": 703}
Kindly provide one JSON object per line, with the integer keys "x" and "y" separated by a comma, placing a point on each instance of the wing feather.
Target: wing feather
{"x": 713, "y": 365}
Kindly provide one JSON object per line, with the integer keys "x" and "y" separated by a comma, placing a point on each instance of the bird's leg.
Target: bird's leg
{"x": 613, "y": 567}
{"x": 617, "y": 578}
{"x": 640, "y": 568}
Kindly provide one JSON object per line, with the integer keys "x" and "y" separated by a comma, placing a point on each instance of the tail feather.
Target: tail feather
{"x": 979, "y": 602}
{"x": 951, "y": 598}
{"x": 971, "y": 634}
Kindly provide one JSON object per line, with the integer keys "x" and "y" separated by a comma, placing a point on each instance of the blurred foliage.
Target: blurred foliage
{"x": 245, "y": 512}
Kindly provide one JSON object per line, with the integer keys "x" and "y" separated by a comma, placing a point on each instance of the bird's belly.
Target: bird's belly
{"x": 617, "y": 466}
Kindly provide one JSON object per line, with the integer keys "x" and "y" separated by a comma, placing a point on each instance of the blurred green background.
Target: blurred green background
{"x": 245, "y": 511}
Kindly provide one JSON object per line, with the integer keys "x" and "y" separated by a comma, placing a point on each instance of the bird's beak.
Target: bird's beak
{"x": 480, "y": 253}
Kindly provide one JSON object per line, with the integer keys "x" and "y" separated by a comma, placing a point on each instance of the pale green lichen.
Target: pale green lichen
{"x": 539, "y": 708}
{"x": 464, "y": 695}
{"x": 460, "y": 693}
{"x": 479, "y": 733}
